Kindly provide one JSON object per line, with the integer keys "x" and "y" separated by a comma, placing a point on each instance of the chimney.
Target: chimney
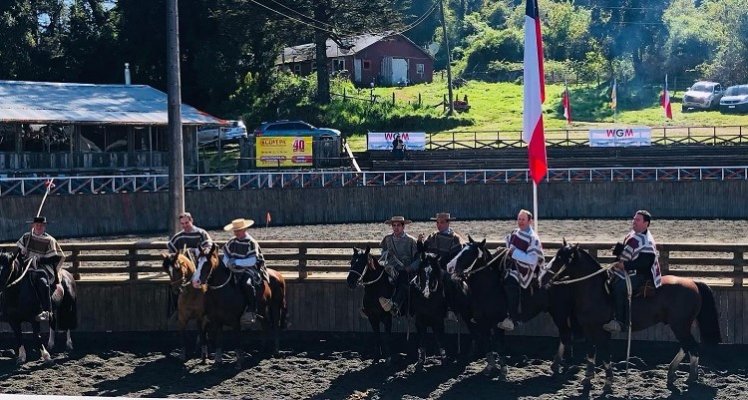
{"x": 127, "y": 73}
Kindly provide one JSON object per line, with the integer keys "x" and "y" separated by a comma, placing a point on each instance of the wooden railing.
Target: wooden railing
{"x": 723, "y": 264}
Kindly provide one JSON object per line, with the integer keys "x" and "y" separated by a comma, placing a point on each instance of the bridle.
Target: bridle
{"x": 558, "y": 279}
{"x": 182, "y": 282}
{"x": 482, "y": 255}
{"x": 369, "y": 266}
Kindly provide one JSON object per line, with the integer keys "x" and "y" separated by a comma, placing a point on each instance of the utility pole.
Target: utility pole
{"x": 449, "y": 60}
{"x": 176, "y": 145}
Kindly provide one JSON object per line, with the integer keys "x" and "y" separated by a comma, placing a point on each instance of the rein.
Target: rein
{"x": 603, "y": 268}
{"x": 469, "y": 270}
{"x": 25, "y": 270}
{"x": 361, "y": 281}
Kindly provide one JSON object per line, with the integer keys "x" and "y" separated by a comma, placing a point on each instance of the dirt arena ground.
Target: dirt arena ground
{"x": 331, "y": 366}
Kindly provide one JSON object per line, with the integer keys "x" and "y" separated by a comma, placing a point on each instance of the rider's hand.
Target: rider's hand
{"x": 420, "y": 237}
{"x": 196, "y": 284}
{"x": 619, "y": 266}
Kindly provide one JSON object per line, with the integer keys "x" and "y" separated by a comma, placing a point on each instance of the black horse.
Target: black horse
{"x": 678, "y": 303}
{"x": 484, "y": 272}
{"x": 20, "y": 303}
{"x": 475, "y": 265}
{"x": 428, "y": 303}
{"x": 366, "y": 271}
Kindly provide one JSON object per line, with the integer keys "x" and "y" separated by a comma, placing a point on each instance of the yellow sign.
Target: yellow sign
{"x": 284, "y": 151}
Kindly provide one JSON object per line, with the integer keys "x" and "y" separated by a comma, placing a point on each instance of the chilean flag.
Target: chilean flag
{"x": 566, "y": 102}
{"x": 665, "y": 101}
{"x": 534, "y": 94}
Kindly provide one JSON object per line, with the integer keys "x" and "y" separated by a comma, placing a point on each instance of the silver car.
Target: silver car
{"x": 702, "y": 95}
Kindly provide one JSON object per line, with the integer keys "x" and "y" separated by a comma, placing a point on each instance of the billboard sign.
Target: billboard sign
{"x": 284, "y": 151}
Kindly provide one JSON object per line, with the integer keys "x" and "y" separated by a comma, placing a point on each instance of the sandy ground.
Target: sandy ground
{"x": 334, "y": 366}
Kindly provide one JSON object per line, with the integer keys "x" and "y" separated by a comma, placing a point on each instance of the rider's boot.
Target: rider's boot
{"x": 250, "y": 312}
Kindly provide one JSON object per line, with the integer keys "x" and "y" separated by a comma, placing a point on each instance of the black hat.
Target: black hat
{"x": 38, "y": 220}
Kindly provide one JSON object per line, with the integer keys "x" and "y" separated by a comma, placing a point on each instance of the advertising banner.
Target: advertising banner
{"x": 383, "y": 140}
{"x": 284, "y": 151}
{"x": 621, "y": 137}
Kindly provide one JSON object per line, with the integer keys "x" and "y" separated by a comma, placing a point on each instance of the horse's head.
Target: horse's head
{"x": 207, "y": 261}
{"x": 360, "y": 263}
{"x": 472, "y": 254}
{"x": 179, "y": 267}
{"x": 6, "y": 265}
{"x": 429, "y": 272}
{"x": 570, "y": 262}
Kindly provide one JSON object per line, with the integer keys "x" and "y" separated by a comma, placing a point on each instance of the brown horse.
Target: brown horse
{"x": 679, "y": 302}
{"x": 225, "y": 303}
{"x": 191, "y": 301}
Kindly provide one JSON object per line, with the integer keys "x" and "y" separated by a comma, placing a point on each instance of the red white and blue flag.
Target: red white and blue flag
{"x": 534, "y": 94}
{"x": 665, "y": 101}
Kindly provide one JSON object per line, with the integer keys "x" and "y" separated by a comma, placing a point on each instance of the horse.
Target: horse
{"x": 486, "y": 298}
{"x": 225, "y": 302}
{"x": 678, "y": 303}
{"x": 428, "y": 303}
{"x": 190, "y": 301}
{"x": 21, "y": 304}
{"x": 366, "y": 271}
{"x": 484, "y": 272}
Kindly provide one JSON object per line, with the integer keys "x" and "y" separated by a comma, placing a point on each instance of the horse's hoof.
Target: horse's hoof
{"x": 608, "y": 387}
{"x": 692, "y": 379}
{"x": 489, "y": 370}
{"x": 503, "y": 372}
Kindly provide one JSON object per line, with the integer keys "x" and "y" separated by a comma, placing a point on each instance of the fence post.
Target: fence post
{"x": 76, "y": 265}
{"x": 419, "y": 99}
{"x": 393, "y": 98}
{"x": 737, "y": 261}
{"x": 302, "y": 263}
{"x": 133, "y": 264}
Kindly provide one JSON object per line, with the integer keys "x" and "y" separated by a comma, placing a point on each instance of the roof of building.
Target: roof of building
{"x": 79, "y": 103}
{"x": 351, "y": 46}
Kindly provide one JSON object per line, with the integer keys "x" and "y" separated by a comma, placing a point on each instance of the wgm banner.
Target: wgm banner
{"x": 621, "y": 137}
{"x": 383, "y": 140}
{"x": 284, "y": 151}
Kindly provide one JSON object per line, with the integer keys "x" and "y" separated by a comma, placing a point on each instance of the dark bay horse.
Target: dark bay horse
{"x": 428, "y": 303}
{"x": 225, "y": 303}
{"x": 366, "y": 271}
{"x": 485, "y": 275}
{"x": 21, "y": 304}
{"x": 678, "y": 303}
{"x": 190, "y": 301}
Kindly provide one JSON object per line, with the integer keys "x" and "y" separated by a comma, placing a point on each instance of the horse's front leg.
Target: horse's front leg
{"x": 18, "y": 336}
{"x": 387, "y": 321}
{"x": 237, "y": 332}
{"x": 590, "y": 365}
{"x": 421, "y": 332}
{"x": 564, "y": 341}
{"x": 182, "y": 356}
{"x": 51, "y": 338}
{"x": 438, "y": 329}
{"x": 36, "y": 329}
{"x": 203, "y": 327}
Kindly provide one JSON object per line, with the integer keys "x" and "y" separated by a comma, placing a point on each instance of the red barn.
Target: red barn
{"x": 383, "y": 59}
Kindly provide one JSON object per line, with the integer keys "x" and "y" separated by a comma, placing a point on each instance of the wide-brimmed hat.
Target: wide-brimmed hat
{"x": 239, "y": 224}
{"x": 442, "y": 215}
{"x": 398, "y": 218}
{"x": 38, "y": 220}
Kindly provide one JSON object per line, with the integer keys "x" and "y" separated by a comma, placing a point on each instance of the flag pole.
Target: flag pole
{"x": 535, "y": 206}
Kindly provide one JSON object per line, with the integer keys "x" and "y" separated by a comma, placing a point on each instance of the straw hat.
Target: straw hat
{"x": 38, "y": 220}
{"x": 239, "y": 224}
{"x": 398, "y": 218}
{"x": 442, "y": 215}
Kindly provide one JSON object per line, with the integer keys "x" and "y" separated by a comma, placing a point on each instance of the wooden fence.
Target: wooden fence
{"x": 721, "y": 264}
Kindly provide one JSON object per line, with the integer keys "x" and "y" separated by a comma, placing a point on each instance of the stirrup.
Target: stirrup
{"x": 507, "y": 324}
{"x": 613, "y": 326}
{"x": 385, "y": 303}
{"x": 43, "y": 316}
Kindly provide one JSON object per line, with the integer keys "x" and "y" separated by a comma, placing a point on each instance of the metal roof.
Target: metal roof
{"x": 306, "y": 52}
{"x": 80, "y": 103}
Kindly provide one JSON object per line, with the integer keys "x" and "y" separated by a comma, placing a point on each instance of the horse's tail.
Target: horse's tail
{"x": 708, "y": 316}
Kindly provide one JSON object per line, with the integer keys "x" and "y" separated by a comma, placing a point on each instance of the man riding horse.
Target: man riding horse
{"x": 637, "y": 258}
{"x": 399, "y": 256}
{"x": 445, "y": 242}
{"x": 526, "y": 250}
{"x": 192, "y": 238}
{"x": 45, "y": 256}
{"x": 242, "y": 255}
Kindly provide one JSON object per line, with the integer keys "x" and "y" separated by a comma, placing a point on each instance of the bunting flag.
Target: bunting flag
{"x": 566, "y": 101}
{"x": 614, "y": 97}
{"x": 665, "y": 101}
{"x": 534, "y": 94}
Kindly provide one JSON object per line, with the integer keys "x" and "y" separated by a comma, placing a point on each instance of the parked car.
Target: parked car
{"x": 231, "y": 133}
{"x": 702, "y": 95}
{"x": 294, "y": 128}
{"x": 734, "y": 100}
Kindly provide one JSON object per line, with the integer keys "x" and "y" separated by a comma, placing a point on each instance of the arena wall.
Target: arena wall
{"x": 132, "y": 213}
{"x": 329, "y": 306}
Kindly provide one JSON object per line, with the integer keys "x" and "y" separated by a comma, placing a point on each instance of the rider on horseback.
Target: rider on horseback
{"x": 526, "y": 250}
{"x": 45, "y": 255}
{"x": 445, "y": 242}
{"x": 399, "y": 257}
{"x": 638, "y": 259}
{"x": 242, "y": 255}
{"x": 194, "y": 239}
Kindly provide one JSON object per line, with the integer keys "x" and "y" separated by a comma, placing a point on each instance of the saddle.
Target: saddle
{"x": 646, "y": 291}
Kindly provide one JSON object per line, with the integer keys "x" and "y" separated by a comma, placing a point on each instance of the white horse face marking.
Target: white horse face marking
{"x": 452, "y": 264}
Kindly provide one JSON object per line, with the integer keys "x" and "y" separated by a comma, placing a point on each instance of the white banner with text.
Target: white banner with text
{"x": 621, "y": 137}
{"x": 383, "y": 140}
